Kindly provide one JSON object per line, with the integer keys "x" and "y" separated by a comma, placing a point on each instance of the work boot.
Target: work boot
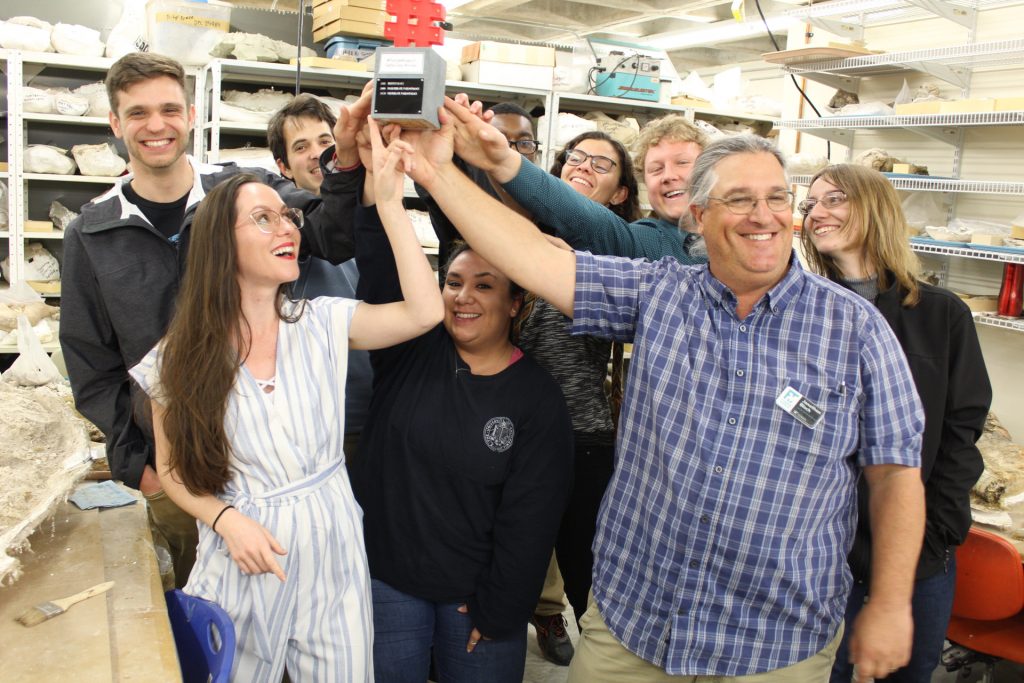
{"x": 553, "y": 639}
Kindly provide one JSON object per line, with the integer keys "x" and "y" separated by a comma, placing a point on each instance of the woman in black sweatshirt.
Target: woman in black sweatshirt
{"x": 466, "y": 456}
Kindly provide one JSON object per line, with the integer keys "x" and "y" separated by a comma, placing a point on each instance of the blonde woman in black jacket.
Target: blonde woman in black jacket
{"x": 854, "y": 233}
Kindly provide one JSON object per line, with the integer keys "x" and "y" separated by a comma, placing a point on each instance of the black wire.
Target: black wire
{"x": 298, "y": 47}
{"x": 775, "y": 44}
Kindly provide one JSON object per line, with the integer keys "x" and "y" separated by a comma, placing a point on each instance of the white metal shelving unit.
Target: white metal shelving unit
{"x": 922, "y": 246}
{"x": 936, "y": 184}
{"x": 219, "y": 73}
{"x": 953, "y": 64}
{"x": 848, "y": 18}
{"x": 21, "y": 68}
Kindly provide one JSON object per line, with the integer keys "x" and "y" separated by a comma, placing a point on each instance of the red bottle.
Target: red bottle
{"x": 1011, "y": 294}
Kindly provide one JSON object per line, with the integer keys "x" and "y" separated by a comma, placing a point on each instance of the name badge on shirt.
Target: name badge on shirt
{"x": 800, "y": 407}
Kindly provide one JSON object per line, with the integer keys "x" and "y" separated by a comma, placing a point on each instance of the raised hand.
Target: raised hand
{"x": 481, "y": 144}
{"x": 350, "y": 120}
{"x": 390, "y": 165}
{"x": 432, "y": 149}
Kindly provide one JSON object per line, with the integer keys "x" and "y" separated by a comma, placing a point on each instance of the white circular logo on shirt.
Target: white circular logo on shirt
{"x": 499, "y": 433}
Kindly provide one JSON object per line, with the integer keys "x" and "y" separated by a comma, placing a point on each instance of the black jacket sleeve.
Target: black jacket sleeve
{"x": 96, "y": 368}
{"x": 958, "y": 463}
{"x": 328, "y": 232}
{"x": 533, "y": 497}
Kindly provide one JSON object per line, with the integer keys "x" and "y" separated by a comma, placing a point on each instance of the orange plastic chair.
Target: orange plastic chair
{"x": 988, "y": 621}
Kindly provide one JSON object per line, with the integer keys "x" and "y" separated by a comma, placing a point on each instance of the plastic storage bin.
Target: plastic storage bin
{"x": 187, "y": 30}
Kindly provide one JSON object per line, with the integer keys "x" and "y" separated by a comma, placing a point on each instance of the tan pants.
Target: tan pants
{"x": 601, "y": 658}
{"x": 176, "y": 531}
{"x": 552, "y": 596}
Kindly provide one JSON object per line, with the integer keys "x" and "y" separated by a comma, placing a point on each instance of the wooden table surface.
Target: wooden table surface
{"x": 120, "y": 636}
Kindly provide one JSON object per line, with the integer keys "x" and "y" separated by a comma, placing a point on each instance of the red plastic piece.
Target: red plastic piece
{"x": 415, "y": 23}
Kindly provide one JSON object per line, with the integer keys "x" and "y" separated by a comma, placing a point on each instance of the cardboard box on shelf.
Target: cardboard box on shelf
{"x": 348, "y": 13}
{"x": 513, "y": 75}
{"x": 331, "y": 6}
{"x": 349, "y": 28}
{"x": 1009, "y": 103}
{"x": 926, "y": 107}
{"x": 980, "y": 303}
{"x": 686, "y": 101}
{"x": 987, "y": 239}
{"x": 38, "y": 226}
{"x": 45, "y": 286}
{"x": 328, "y": 63}
{"x": 972, "y": 106}
{"x": 508, "y": 53}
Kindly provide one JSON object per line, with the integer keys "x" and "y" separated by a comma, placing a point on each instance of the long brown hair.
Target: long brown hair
{"x": 205, "y": 344}
{"x": 875, "y": 212}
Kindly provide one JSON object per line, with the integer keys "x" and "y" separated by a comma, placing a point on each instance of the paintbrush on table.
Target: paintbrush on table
{"x": 34, "y": 616}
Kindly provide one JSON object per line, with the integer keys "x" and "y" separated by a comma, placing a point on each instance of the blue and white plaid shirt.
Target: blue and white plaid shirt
{"x": 722, "y": 540}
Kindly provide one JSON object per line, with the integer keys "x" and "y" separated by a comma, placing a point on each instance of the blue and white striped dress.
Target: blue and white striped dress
{"x": 289, "y": 475}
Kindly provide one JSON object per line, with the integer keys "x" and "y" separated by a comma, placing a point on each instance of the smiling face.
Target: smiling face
{"x": 264, "y": 260}
{"x": 603, "y": 188}
{"x": 515, "y": 127}
{"x": 154, "y": 119}
{"x": 478, "y": 303}
{"x": 830, "y": 229}
{"x": 305, "y": 139}
{"x": 747, "y": 253}
{"x": 667, "y": 169}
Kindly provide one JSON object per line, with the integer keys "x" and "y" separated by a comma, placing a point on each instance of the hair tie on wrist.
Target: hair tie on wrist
{"x": 217, "y": 518}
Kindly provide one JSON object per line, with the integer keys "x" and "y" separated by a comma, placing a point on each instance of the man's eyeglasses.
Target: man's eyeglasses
{"x": 600, "y": 164}
{"x": 741, "y": 205}
{"x": 524, "y": 146}
{"x": 829, "y": 200}
{"x": 268, "y": 222}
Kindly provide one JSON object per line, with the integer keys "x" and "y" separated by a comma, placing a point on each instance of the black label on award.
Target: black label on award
{"x": 399, "y": 96}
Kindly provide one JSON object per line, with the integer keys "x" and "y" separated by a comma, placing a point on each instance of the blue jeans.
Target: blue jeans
{"x": 932, "y": 605}
{"x": 407, "y": 629}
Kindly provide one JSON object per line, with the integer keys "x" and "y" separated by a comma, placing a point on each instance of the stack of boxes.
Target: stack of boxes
{"x": 363, "y": 18}
{"x": 518, "y": 66}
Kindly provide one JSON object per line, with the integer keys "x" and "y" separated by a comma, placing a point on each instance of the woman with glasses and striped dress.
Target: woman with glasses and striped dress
{"x": 247, "y": 396}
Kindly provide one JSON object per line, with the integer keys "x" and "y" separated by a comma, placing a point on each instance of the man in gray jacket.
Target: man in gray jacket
{"x": 124, "y": 254}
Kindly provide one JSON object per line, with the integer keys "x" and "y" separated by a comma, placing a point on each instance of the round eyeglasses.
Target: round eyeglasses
{"x": 600, "y": 164}
{"x": 829, "y": 200}
{"x": 268, "y": 221}
{"x": 524, "y": 146}
{"x": 741, "y": 205}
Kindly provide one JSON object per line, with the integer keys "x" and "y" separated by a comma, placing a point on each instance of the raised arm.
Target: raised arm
{"x": 376, "y": 326}
{"x": 500, "y": 235}
{"x": 579, "y": 220}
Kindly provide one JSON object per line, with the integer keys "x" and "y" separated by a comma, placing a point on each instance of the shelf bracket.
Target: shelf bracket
{"x": 845, "y": 29}
{"x": 958, "y": 77}
{"x": 965, "y": 16}
{"x": 949, "y": 136}
{"x": 838, "y": 81}
{"x": 840, "y": 136}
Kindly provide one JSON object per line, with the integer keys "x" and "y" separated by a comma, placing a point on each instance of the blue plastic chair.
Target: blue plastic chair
{"x": 204, "y": 636}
